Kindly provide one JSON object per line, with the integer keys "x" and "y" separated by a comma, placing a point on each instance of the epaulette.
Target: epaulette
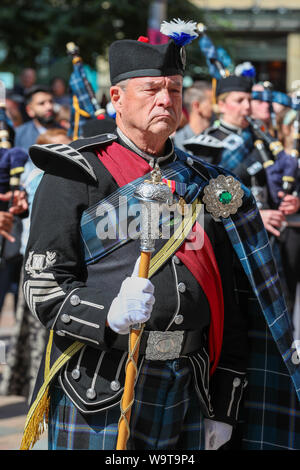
{"x": 215, "y": 126}
{"x": 204, "y": 145}
{"x": 48, "y": 157}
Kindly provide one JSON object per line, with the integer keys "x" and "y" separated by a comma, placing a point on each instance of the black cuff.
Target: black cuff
{"x": 226, "y": 390}
{"x": 82, "y": 317}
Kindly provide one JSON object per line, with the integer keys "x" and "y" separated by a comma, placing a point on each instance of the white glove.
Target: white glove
{"x": 216, "y": 434}
{"x": 133, "y": 304}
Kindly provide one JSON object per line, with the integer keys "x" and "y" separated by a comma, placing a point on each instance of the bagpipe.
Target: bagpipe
{"x": 295, "y": 105}
{"x": 271, "y": 96}
{"x": 281, "y": 168}
{"x": 12, "y": 160}
{"x": 218, "y": 62}
{"x": 84, "y": 102}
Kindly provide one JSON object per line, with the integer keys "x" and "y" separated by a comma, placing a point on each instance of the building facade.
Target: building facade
{"x": 265, "y": 32}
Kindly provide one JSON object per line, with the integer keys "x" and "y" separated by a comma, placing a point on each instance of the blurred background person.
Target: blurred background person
{"x": 27, "y": 80}
{"x": 59, "y": 91}
{"x": 28, "y": 342}
{"x": 63, "y": 116}
{"x": 197, "y": 101}
{"x": 40, "y": 108}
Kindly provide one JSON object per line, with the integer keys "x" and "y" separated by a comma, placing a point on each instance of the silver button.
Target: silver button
{"x": 74, "y": 300}
{"x": 176, "y": 259}
{"x": 65, "y": 318}
{"x": 115, "y": 385}
{"x": 236, "y": 382}
{"x": 190, "y": 161}
{"x": 91, "y": 394}
{"x": 60, "y": 333}
{"x": 181, "y": 287}
{"x": 178, "y": 319}
{"x": 75, "y": 374}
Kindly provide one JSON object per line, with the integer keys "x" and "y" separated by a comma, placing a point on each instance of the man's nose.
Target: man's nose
{"x": 165, "y": 98}
{"x": 247, "y": 106}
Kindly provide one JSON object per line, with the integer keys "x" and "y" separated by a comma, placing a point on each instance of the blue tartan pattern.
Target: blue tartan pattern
{"x": 271, "y": 412}
{"x": 78, "y": 89}
{"x": 251, "y": 244}
{"x": 94, "y": 246}
{"x": 276, "y": 97}
{"x": 163, "y": 416}
{"x": 211, "y": 54}
{"x": 231, "y": 158}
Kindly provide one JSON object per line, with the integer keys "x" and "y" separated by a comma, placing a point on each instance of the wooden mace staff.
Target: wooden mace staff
{"x": 151, "y": 194}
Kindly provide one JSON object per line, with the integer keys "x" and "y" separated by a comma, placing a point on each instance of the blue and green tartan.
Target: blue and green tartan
{"x": 116, "y": 208}
{"x": 231, "y": 158}
{"x": 271, "y": 408}
{"x": 165, "y": 415}
{"x": 276, "y": 97}
{"x": 77, "y": 88}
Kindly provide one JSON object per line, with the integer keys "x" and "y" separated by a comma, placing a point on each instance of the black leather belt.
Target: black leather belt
{"x": 164, "y": 345}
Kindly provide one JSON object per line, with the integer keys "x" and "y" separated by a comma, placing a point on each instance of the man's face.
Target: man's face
{"x": 149, "y": 104}
{"x": 41, "y": 107}
{"x": 206, "y": 106}
{"x": 235, "y": 108}
{"x": 260, "y": 110}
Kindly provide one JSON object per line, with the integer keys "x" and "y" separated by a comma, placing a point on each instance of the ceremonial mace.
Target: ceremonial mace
{"x": 151, "y": 194}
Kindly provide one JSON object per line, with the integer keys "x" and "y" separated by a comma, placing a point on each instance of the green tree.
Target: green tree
{"x": 35, "y": 32}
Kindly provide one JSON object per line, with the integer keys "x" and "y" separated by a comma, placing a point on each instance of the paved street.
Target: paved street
{"x": 13, "y": 409}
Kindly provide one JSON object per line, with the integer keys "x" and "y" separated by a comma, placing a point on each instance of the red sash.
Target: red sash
{"x": 125, "y": 166}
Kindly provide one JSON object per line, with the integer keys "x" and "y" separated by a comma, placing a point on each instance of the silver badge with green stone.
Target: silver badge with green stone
{"x": 223, "y": 196}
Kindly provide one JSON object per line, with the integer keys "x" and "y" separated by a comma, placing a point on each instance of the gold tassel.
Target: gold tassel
{"x": 37, "y": 423}
{"x": 37, "y": 418}
{"x": 78, "y": 112}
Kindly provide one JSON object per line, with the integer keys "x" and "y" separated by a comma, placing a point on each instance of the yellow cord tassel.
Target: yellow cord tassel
{"x": 78, "y": 112}
{"x": 37, "y": 418}
{"x": 37, "y": 424}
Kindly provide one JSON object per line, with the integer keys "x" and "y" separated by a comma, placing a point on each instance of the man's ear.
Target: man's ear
{"x": 221, "y": 106}
{"x": 195, "y": 105}
{"x": 116, "y": 97}
{"x": 30, "y": 111}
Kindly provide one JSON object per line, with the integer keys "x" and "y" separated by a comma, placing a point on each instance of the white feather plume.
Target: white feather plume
{"x": 180, "y": 31}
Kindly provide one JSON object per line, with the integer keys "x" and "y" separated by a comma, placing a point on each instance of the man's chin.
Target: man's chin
{"x": 46, "y": 121}
{"x": 244, "y": 123}
{"x": 163, "y": 128}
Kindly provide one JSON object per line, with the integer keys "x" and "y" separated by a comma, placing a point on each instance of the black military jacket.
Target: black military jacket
{"x": 73, "y": 299}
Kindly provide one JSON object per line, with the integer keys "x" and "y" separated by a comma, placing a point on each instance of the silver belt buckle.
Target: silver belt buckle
{"x": 164, "y": 345}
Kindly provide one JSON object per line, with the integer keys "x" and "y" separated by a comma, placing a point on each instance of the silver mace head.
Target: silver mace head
{"x": 152, "y": 194}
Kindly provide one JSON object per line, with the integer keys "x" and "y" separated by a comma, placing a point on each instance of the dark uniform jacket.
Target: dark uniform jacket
{"x": 73, "y": 299}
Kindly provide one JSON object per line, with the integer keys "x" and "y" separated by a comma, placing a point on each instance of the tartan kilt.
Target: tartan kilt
{"x": 271, "y": 411}
{"x": 166, "y": 414}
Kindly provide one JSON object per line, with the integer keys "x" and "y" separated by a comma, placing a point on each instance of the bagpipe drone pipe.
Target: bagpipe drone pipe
{"x": 84, "y": 104}
{"x": 281, "y": 168}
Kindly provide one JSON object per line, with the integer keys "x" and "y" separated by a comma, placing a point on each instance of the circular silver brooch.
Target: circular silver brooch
{"x": 223, "y": 196}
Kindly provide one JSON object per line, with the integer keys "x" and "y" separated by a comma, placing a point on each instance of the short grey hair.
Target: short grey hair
{"x": 196, "y": 92}
{"x": 123, "y": 84}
